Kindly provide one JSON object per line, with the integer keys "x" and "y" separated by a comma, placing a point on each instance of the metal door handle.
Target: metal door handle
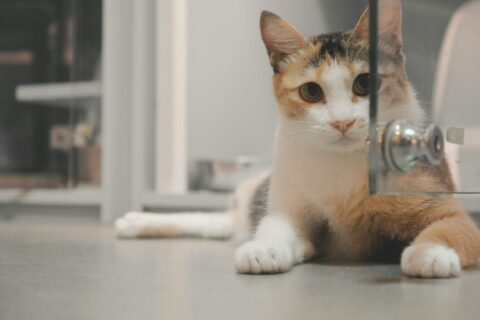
{"x": 403, "y": 145}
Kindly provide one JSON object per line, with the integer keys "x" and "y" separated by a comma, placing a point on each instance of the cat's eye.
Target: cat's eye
{"x": 311, "y": 92}
{"x": 361, "y": 85}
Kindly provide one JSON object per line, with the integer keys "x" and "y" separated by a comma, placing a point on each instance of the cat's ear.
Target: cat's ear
{"x": 280, "y": 37}
{"x": 389, "y": 24}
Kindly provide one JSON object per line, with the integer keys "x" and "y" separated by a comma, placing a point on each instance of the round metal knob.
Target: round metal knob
{"x": 404, "y": 145}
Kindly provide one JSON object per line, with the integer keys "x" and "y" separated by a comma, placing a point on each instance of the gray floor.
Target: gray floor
{"x": 52, "y": 268}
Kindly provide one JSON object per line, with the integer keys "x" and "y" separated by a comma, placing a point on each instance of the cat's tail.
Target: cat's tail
{"x": 212, "y": 225}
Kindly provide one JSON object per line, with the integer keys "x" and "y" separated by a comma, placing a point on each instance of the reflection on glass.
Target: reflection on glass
{"x": 441, "y": 47}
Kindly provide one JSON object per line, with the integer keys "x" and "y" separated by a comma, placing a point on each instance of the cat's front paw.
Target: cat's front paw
{"x": 430, "y": 260}
{"x": 260, "y": 256}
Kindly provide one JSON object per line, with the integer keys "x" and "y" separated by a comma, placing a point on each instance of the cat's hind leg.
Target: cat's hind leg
{"x": 203, "y": 225}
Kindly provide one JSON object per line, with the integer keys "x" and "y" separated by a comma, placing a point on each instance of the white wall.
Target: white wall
{"x": 231, "y": 108}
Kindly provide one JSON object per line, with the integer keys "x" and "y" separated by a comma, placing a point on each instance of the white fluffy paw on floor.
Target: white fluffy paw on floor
{"x": 261, "y": 256}
{"x": 128, "y": 228}
{"x": 430, "y": 260}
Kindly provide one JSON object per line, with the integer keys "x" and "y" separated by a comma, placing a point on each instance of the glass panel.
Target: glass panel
{"x": 425, "y": 124}
{"x": 49, "y": 93}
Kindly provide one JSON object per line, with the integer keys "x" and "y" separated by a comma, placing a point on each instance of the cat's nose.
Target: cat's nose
{"x": 342, "y": 125}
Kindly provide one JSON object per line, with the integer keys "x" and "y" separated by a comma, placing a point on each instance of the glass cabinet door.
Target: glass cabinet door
{"x": 50, "y": 94}
{"x": 425, "y": 121}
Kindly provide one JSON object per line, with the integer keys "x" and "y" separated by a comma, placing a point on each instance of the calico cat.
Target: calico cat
{"x": 315, "y": 200}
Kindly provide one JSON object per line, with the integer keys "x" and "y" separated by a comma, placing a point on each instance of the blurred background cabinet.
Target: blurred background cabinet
{"x": 50, "y": 98}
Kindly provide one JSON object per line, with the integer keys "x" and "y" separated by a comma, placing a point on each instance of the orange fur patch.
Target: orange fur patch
{"x": 458, "y": 232}
{"x": 362, "y": 218}
{"x": 164, "y": 231}
{"x": 289, "y": 101}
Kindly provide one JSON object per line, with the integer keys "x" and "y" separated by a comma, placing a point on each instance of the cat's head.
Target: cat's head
{"x": 322, "y": 83}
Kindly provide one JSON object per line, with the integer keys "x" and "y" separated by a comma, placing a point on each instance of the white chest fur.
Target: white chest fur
{"x": 310, "y": 177}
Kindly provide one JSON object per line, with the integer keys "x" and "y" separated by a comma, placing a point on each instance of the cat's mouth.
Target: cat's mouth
{"x": 348, "y": 141}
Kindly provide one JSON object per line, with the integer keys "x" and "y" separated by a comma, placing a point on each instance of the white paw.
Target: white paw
{"x": 128, "y": 228}
{"x": 430, "y": 261}
{"x": 260, "y": 256}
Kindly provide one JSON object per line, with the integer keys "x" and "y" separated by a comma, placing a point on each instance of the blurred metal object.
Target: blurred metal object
{"x": 404, "y": 145}
{"x": 224, "y": 175}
